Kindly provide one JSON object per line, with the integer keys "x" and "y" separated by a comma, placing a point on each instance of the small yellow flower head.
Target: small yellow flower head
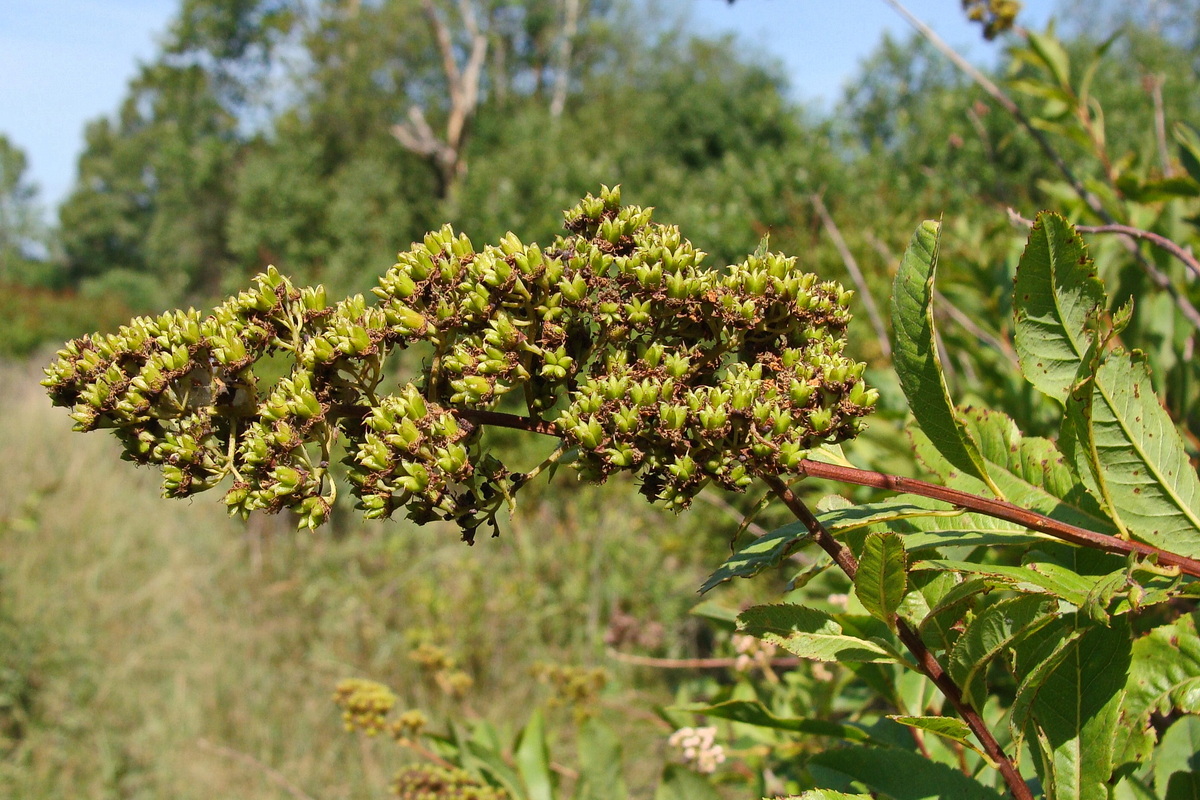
{"x": 365, "y": 704}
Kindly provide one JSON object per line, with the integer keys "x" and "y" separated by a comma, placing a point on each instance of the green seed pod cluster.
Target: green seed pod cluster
{"x": 616, "y": 338}
{"x": 433, "y": 782}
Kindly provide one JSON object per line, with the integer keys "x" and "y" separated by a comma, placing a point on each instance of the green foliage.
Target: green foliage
{"x": 917, "y": 361}
{"x": 1044, "y": 591}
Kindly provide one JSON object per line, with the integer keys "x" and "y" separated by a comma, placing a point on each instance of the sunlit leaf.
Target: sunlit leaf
{"x": 1056, "y": 290}
{"x": 916, "y": 357}
{"x": 1053, "y": 55}
{"x": 1177, "y": 761}
{"x": 1164, "y": 677}
{"x": 808, "y": 633}
{"x": 882, "y": 577}
{"x": 949, "y": 728}
{"x": 532, "y": 755}
{"x": 1074, "y": 715}
{"x": 1128, "y": 451}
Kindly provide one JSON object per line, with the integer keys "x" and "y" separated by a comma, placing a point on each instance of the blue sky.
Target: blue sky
{"x": 64, "y": 62}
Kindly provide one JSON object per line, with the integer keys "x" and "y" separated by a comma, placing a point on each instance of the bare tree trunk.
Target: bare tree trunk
{"x": 462, "y": 83}
{"x": 562, "y": 77}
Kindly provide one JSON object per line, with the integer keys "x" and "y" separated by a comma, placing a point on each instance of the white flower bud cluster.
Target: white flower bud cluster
{"x": 751, "y": 652}
{"x": 699, "y": 748}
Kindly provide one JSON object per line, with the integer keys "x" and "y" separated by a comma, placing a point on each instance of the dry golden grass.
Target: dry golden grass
{"x": 168, "y": 639}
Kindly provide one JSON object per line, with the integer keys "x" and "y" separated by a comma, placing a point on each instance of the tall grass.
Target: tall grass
{"x": 168, "y": 651}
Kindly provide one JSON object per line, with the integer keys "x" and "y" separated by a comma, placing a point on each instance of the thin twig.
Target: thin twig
{"x": 996, "y": 93}
{"x": 926, "y": 661}
{"x": 692, "y": 663}
{"x": 273, "y": 775}
{"x": 718, "y": 502}
{"x": 1087, "y": 197}
{"x": 999, "y": 509}
{"x": 856, "y": 275}
{"x": 971, "y": 327}
{"x": 1157, "y": 239}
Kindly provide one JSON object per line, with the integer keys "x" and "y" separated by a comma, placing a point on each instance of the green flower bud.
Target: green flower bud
{"x": 821, "y": 420}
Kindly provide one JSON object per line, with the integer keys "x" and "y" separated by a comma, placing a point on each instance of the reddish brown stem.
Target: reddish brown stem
{"x": 1000, "y": 509}
{"x": 693, "y": 663}
{"x": 926, "y": 661}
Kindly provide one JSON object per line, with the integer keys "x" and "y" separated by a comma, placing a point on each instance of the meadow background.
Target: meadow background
{"x": 160, "y": 649}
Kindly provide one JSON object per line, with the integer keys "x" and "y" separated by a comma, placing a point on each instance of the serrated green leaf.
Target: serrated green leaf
{"x": 882, "y": 577}
{"x": 828, "y": 794}
{"x": 1032, "y": 661}
{"x": 808, "y": 633}
{"x": 753, "y": 712}
{"x": 1164, "y": 677}
{"x": 1127, "y": 450}
{"x": 900, "y": 774}
{"x": 763, "y": 553}
{"x": 993, "y": 631}
{"x": 939, "y": 627}
{"x": 1177, "y": 760}
{"x": 1056, "y": 290}
{"x": 1074, "y": 715}
{"x": 533, "y": 760}
{"x": 917, "y": 360}
{"x": 600, "y": 774}
{"x": 680, "y": 783}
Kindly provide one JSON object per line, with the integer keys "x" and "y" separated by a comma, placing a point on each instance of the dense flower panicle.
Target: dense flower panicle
{"x": 615, "y": 336}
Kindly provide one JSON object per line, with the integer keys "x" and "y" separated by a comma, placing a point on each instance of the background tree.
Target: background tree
{"x": 23, "y": 235}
